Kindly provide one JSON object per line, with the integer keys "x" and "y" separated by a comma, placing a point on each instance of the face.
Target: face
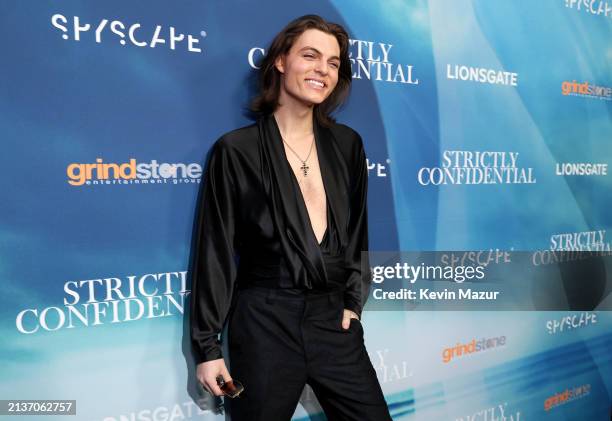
{"x": 310, "y": 69}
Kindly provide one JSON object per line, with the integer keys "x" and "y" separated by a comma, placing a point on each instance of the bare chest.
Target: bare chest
{"x": 312, "y": 190}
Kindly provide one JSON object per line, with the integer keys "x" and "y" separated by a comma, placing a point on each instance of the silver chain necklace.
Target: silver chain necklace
{"x": 304, "y": 167}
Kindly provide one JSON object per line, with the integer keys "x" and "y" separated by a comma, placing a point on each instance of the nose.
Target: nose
{"x": 321, "y": 67}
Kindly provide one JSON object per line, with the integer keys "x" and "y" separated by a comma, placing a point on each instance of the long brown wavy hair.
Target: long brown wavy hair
{"x": 269, "y": 76}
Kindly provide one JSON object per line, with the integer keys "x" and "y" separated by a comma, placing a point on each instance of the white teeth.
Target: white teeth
{"x": 315, "y": 82}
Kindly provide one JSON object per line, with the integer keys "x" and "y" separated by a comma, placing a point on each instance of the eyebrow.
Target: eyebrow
{"x": 318, "y": 52}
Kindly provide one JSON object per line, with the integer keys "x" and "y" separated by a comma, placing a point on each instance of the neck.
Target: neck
{"x": 294, "y": 124}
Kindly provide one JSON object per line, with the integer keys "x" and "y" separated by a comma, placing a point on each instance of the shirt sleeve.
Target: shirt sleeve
{"x": 214, "y": 267}
{"x": 357, "y": 256}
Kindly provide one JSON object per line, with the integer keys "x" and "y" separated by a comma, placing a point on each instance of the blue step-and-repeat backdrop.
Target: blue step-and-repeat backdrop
{"x": 95, "y": 266}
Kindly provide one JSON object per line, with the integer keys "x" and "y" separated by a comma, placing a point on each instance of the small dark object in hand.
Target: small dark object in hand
{"x": 231, "y": 389}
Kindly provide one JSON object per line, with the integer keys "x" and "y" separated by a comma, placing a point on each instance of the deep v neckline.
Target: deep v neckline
{"x": 296, "y": 184}
{"x": 299, "y": 190}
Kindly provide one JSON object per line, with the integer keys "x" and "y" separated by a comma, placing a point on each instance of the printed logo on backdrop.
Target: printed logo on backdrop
{"x": 370, "y": 60}
{"x": 389, "y": 366}
{"x": 132, "y": 172}
{"x": 94, "y": 302}
{"x": 472, "y": 347}
{"x": 153, "y": 172}
{"x": 116, "y": 31}
{"x": 169, "y": 412}
{"x": 580, "y": 241}
{"x": 476, "y": 167}
{"x": 567, "y": 396}
{"x": 378, "y": 169}
{"x": 481, "y": 75}
{"x": 580, "y": 168}
{"x": 494, "y": 413}
{"x": 594, "y": 7}
{"x": 571, "y": 322}
{"x": 586, "y": 89}
{"x": 573, "y": 246}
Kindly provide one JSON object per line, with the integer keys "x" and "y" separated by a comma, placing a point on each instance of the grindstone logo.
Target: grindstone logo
{"x": 369, "y": 60}
{"x": 586, "y": 89}
{"x": 131, "y": 172}
{"x": 95, "y": 302}
{"x": 481, "y": 75}
{"x": 594, "y": 7}
{"x": 494, "y": 413}
{"x": 580, "y": 168}
{"x": 472, "y": 347}
{"x": 116, "y": 31}
{"x": 476, "y": 167}
{"x": 580, "y": 241}
{"x": 567, "y": 396}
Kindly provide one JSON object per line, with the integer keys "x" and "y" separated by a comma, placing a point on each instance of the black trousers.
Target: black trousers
{"x": 280, "y": 341}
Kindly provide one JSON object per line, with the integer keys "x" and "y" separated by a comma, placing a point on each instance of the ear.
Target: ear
{"x": 279, "y": 63}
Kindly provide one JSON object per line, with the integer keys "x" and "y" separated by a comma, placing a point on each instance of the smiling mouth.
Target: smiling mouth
{"x": 316, "y": 83}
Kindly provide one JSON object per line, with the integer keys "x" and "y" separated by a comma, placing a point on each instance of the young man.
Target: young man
{"x": 288, "y": 195}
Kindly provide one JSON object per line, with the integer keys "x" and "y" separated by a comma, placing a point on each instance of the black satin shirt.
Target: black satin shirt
{"x": 253, "y": 227}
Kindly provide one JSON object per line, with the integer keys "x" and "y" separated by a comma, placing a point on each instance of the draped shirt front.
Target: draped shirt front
{"x": 253, "y": 228}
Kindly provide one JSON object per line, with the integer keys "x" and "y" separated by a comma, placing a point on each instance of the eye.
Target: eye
{"x": 335, "y": 65}
{"x": 308, "y": 55}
